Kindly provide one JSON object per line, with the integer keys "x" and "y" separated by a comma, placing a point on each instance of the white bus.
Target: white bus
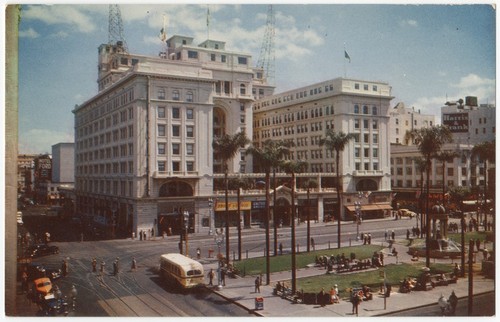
{"x": 182, "y": 270}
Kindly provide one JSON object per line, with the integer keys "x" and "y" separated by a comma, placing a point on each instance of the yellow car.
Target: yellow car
{"x": 406, "y": 213}
{"x": 43, "y": 286}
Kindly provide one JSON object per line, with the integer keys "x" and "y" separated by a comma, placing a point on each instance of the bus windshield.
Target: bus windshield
{"x": 194, "y": 272}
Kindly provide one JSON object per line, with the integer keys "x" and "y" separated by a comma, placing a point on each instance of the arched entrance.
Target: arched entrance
{"x": 176, "y": 189}
{"x": 283, "y": 211}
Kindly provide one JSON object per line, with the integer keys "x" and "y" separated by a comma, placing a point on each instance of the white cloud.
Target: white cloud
{"x": 29, "y": 33}
{"x": 41, "y": 140}
{"x": 61, "y": 14}
{"x": 474, "y": 81}
{"x": 409, "y": 22}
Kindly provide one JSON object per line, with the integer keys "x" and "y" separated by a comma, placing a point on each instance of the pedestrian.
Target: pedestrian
{"x": 223, "y": 276}
{"x": 407, "y": 234}
{"x": 211, "y": 275}
{"x": 64, "y": 268}
{"x": 381, "y": 258}
{"x": 257, "y": 285}
{"x": 365, "y": 239}
{"x": 281, "y": 249}
{"x": 102, "y": 267}
{"x": 117, "y": 265}
{"x": 385, "y": 234}
{"x": 115, "y": 268}
{"x": 393, "y": 235}
{"x": 140, "y": 235}
{"x": 453, "y": 300}
{"x": 478, "y": 244}
{"x": 134, "y": 264}
{"x": 369, "y": 239}
{"x": 198, "y": 253}
{"x": 24, "y": 282}
{"x": 322, "y": 297}
{"x": 355, "y": 299}
{"x": 94, "y": 265}
{"x": 312, "y": 244}
{"x": 153, "y": 232}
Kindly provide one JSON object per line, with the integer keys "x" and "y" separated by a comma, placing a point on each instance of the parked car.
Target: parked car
{"x": 406, "y": 213}
{"x": 42, "y": 250}
{"x": 37, "y": 270}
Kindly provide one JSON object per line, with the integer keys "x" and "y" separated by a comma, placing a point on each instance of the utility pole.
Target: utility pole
{"x": 471, "y": 294}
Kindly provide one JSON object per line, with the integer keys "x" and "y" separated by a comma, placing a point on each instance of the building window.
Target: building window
{"x": 356, "y": 109}
{"x": 176, "y": 114}
{"x": 356, "y": 86}
{"x": 161, "y": 148}
{"x": 375, "y": 138}
{"x": 365, "y": 124}
{"x": 161, "y": 166}
{"x": 161, "y": 130}
{"x": 189, "y": 114}
{"x": 189, "y": 131}
{"x": 365, "y": 87}
{"x": 243, "y": 89}
{"x": 223, "y": 58}
{"x": 176, "y": 148}
{"x": 450, "y": 172}
{"x": 375, "y": 152}
{"x": 366, "y": 138}
{"x": 175, "y": 95}
{"x": 375, "y": 165}
{"x": 356, "y": 124}
{"x": 176, "y": 166}
{"x": 374, "y": 124}
{"x": 212, "y": 57}
{"x": 356, "y": 152}
{"x": 161, "y": 94}
{"x": 192, "y": 54}
{"x": 365, "y": 109}
{"x": 242, "y": 60}
{"x": 176, "y": 130}
{"x": 242, "y": 107}
{"x": 189, "y": 96}
{"x": 189, "y": 148}
{"x": 374, "y": 110}
{"x": 374, "y": 88}
{"x": 189, "y": 166}
{"x": 366, "y": 152}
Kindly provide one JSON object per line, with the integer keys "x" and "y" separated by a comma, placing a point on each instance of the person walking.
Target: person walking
{"x": 322, "y": 297}
{"x": 65, "y": 268}
{"x": 453, "y": 300}
{"x": 355, "y": 299}
{"x": 211, "y": 276}
{"x": 281, "y": 249}
{"x": 478, "y": 244}
{"x": 369, "y": 239}
{"x": 198, "y": 253}
{"x": 115, "y": 268}
{"x": 393, "y": 235}
{"x": 102, "y": 267}
{"x": 312, "y": 244}
{"x": 223, "y": 276}
{"x": 117, "y": 265}
{"x": 134, "y": 264}
{"x": 257, "y": 285}
{"x": 94, "y": 265}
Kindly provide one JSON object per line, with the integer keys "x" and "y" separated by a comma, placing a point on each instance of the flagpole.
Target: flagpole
{"x": 208, "y": 22}
{"x": 345, "y": 68}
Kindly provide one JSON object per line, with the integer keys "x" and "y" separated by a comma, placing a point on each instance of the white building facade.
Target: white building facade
{"x": 404, "y": 119}
{"x": 143, "y": 144}
{"x": 303, "y": 116}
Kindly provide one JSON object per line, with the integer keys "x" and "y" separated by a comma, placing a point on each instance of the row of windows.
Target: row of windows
{"x": 176, "y": 166}
{"x": 106, "y": 138}
{"x": 125, "y": 167}
{"x": 176, "y": 148}
{"x": 366, "y": 87}
{"x": 106, "y": 106}
{"x": 365, "y": 110}
{"x": 175, "y": 112}
{"x": 176, "y": 129}
{"x": 175, "y": 95}
{"x": 290, "y": 117}
{"x": 292, "y": 96}
{"x": 415, "y": 122}
{"x": 106, "y": 123}
{"x": 463, "y": 159}
{"x": 107, "y": 153}
{"x": 115, "y": 187}
{"x": 366, "y": 124}
{"x": 366, "y": 152}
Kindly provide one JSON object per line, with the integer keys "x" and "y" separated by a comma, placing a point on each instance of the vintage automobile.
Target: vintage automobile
{"x": 42, "y": 250}
{"x": 37, "y": 270}
{"x": 42, "y": 286}
{"x": 406, "y": 213}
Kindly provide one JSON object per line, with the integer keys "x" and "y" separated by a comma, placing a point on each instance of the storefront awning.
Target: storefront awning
{"x": 371, "y": 207}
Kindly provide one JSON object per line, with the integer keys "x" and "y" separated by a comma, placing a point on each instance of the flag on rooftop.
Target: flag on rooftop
{"x": 346, "y": 55}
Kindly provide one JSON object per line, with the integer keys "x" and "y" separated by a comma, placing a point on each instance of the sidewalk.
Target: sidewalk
{"x": 240, "y": 290}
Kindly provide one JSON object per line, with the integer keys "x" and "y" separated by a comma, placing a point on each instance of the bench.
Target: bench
{"x": 443, "y": 279}
{"x": 286, "y": 293}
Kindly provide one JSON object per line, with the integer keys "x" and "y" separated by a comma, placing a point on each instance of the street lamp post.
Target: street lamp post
{"x": 357, "y": 205}
{"x": 219, "y": 240}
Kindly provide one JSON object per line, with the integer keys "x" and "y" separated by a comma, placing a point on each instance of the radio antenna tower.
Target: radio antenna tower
{"x": 115, "y": 27}
{"x": 267, "y": 57}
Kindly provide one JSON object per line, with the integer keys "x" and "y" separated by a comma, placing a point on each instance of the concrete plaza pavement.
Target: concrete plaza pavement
{"x": 241, "y": 290}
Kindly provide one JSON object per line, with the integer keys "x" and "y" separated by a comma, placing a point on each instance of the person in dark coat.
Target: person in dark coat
{"x": 94, "y": 265}
{"x": 134, "y": 264}
{"x": 223, "y": 276}
{"x": 211, "y": 275}
{"x": 257, "y": 285}
{"x": 478, "y": 244}
{"x": 115, "y": 268}
{"x": 322, "y": 297}
{"x": 453, "y": 300}
{"x": 355, "y": 299}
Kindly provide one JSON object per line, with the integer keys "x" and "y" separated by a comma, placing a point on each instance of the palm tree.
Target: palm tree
{"x": 277, "y": 149}
{"x": 445, "y": 156}
{"x": 263, "y": 157}
{"x": 225, "y": 148}
{"x": 486, "y": 152}
{"x": 238, "y": 184}
{"x": 336, "y": 142}
{"x": 293, "y": 167}
{"x": 429, "y": 141}
{"x": 421, "y": 166}
{"x": 309, "y": 184}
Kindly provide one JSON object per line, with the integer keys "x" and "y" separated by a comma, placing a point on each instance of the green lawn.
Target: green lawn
{"x": 394, "y": 274}
{"x": 255, "y": 266}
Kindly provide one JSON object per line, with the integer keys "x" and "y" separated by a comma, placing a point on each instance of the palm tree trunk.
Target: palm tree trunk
{"x": 339, "y": 206}
{"x": 485, "y": 194}
{"x": 274, "y": 215}
{"x": 268, "y": 263}
{"x": 308, "y": 224}
{"x": 444, "y": 178}
{"x": 294, "y": 268}
{"x": 227, "y": 218}
{"x": 239, "y": 225}
{"x": 427, "y": 221}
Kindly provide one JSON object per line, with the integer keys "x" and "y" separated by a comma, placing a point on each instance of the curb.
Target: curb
{"x": 250, "y": 311}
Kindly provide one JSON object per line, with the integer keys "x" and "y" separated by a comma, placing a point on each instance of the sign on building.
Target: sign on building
{"x": 457, "y": 122}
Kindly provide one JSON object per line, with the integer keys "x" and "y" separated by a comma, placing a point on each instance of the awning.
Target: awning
{"x": 371, "y": 207}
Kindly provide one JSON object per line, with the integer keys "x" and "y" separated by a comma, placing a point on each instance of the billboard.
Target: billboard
{"x": 457, "y": 122}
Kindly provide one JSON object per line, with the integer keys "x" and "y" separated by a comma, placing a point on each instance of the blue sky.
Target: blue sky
{"x": 427, "y": 53}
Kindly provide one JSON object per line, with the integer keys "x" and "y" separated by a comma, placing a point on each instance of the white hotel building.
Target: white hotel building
{"x": 304, "y": 115}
